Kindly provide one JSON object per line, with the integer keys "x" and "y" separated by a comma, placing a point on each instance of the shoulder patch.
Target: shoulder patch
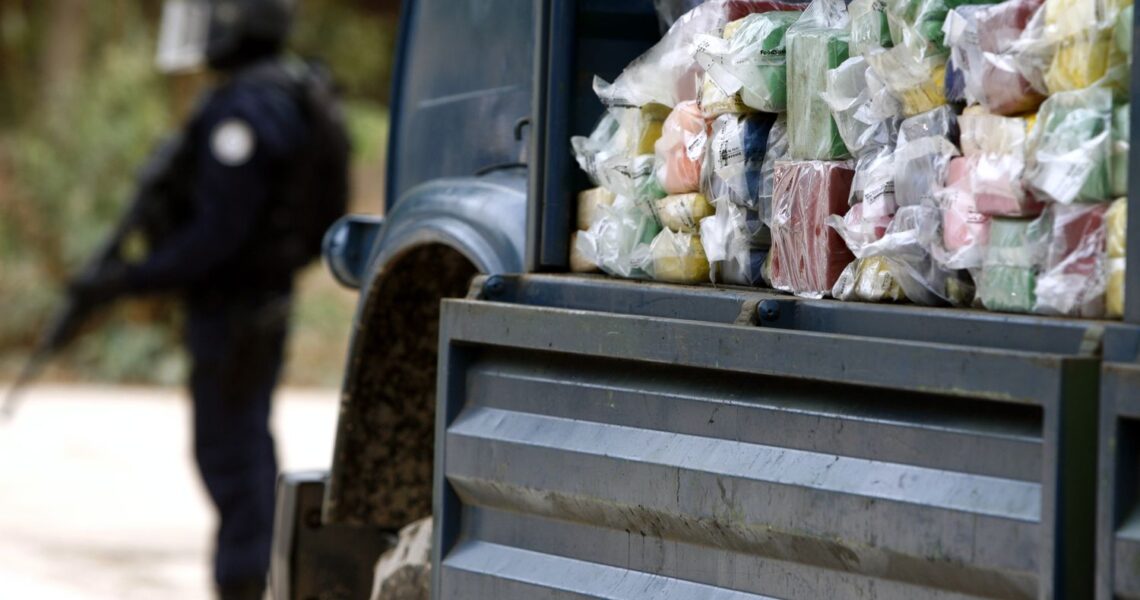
{"x": 232, "y": 142}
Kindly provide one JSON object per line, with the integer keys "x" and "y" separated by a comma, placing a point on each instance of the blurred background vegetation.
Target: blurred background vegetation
{"x": 81, "y": 105}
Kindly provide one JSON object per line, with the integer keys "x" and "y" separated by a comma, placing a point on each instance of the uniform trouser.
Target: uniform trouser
{"x": 237, "y": 349}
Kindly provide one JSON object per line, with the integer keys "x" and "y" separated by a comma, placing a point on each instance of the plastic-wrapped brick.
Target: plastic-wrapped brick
{"x": 777, "y": 151}
{"x": 1121, "y": 119}
{"x": 1079, "y": 61}
{"x": 727, "y": 239}
{"x": 682, "y": 212}
{"x": 926, "y": 144}
{"x": 866, "y": 115}
{"x": 751, "y": 60}
{"x": 1117, "y": 225}
{"x": 618, "y": 240}
{"x": 1070, "y": 146}
{"x": 807, "y": 255}
{"x": 1013, "y": 259}
{"x": 816, "y": 43}
{"x": 580, "y": 263}
{"x": 734, "y": 158}
{"x": 1002, "y": 87}
{"x": 869, "y": 28}
{"x": 996, "y": 147}
{"x": 681, "y": 149}
{"x": 677, "y": 258}
{"x": 917, "y": 81}
{"x": 588, "y": 203}
{"x": 1072, "y": 281}
{"x": 870, "y": 279}
{"x": 965, "y": 230}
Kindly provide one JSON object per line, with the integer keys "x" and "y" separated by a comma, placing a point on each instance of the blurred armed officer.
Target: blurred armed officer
{"x": 257, "y": 175}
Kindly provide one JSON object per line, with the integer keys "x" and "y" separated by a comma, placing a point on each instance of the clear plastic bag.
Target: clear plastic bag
{"x": 963, "y": 81}
{"x": 917, "y": 81}
{"x": 751, "y": 61}
{"x": 1121, "y": 131}
{"x": 816, "y": 43}
{"x": 866, "y": 116}
{"x": 617, "y": 155}
{"x": 588, "y": 203}
{"x": 965, "y": 231}
{"x": 777, "y": 151}
{"x": 1073, "y": 279}
{"x": 870, "y": 279}
{"x": 580, "y": 263}
{"x": 727, "y": 241}
{"x": 1079, "y": 60}
{"x": 906, "y": 247}
{"x": 682, "y": 212}
{"x": 734, "y": 166}
{"x": 926, "y": 144}
{"x": 1070, "y": 146}
{"x": 677, "y": 258}
{"x": 1117, "y": 224}
{"x": 874, "y": 182}
{"x": 618, "y": 242}
{"x": 1000, "y": 83}
{"x": 1013, "y": 260}
{"x": 666, "y": 73}
{"x": 869, "y": 28}
{"x": 807, "y": 255}
{"x": 680, "y": 151}
{"x": 996, "y": 147}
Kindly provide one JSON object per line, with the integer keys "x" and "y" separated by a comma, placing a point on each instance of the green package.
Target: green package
{"x": 751, "y": 59}
{"x": 812, "y": 132}
{"x": 924, "y": 18}
{"x": 1009, "y": 269}
{"x": 1070, "y": 148}
{"x": 869, "y": 27}
{"x": 1121, "y": 119}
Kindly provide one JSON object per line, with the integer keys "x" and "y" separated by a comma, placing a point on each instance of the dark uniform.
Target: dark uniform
{"x": 245, "y": 142}
{"x": 261, "y": 148}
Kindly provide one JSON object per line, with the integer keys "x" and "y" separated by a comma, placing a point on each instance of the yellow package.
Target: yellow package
{"x": 1117, "y": 221}
{"x": 683, "y": 212}
{"x": 1069, "y": 18}
{"x": 588, "y": 203}
{"x": 927, "y": 96}
{"x": 1079, "y": 62}
{"x": 651, "y": 118}
{"x": 578, "y": 261}
{"x": 679, "y": 258}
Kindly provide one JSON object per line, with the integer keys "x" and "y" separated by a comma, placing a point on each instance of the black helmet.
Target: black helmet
{"x": 221, "y": 33}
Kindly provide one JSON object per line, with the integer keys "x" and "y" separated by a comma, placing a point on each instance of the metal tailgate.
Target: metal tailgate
{"x": 586, "y": 453}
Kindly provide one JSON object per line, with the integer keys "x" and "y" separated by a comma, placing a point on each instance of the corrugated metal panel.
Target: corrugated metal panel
{"x": 1118, "y": 527}
{"x": 590, "y": 454}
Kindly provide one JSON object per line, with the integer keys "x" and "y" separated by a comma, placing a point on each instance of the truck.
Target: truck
{"x": 578, "y": 436}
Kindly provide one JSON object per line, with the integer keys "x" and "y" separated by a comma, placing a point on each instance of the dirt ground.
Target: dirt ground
{"x": 99, "y": 498}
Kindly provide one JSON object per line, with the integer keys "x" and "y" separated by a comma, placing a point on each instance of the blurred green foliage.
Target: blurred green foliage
{"x": 71, "y": 141}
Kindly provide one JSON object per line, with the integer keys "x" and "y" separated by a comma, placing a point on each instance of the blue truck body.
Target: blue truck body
{"x": 596, "y": 438}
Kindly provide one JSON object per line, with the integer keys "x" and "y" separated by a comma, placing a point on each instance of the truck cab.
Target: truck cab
{"x": 580, "y": 436}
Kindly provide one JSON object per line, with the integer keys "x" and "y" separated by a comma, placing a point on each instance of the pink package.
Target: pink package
{"x": 681, "y": 149}
{"x": 962, "y": 225}
{"x": 807, "y": 255}
{"x": 996, "y": 183}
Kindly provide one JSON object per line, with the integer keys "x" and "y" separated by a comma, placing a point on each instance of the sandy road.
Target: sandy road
{"x": 99, "y": 498}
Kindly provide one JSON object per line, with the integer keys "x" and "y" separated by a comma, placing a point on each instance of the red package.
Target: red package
{"x": 807, "y": 255}
{"x": 1004, "y": 90}
{"x": 1001, "y": 24}
{"x": 1073, "y": 279}
{"x": 738, "y": 9}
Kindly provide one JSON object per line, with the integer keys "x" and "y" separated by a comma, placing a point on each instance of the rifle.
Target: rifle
{"x": 154, "y": 211}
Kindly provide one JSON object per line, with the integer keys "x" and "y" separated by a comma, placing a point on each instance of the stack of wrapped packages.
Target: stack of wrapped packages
{"x": 939, "y": 152}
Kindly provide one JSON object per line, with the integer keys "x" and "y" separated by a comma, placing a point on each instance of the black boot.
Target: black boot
{"x": 248, "y": 590}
